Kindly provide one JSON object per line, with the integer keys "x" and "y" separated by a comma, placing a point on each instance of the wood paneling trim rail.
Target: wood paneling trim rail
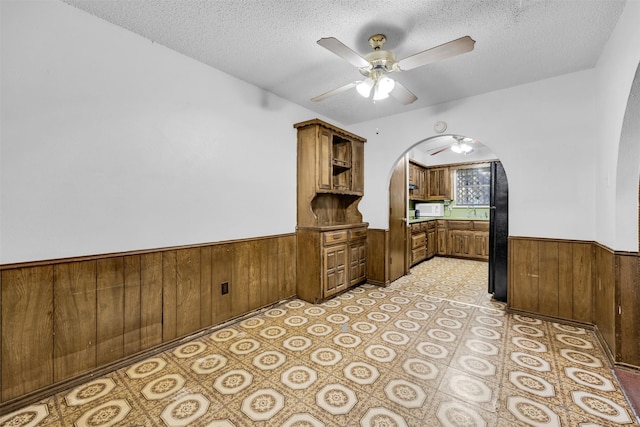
{"x": 135, "y": 252}
{"x": 67, "y": 319}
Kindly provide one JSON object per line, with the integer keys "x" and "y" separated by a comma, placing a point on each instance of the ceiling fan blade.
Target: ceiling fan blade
{"x": 340, "y": 49}
{"x": 440, "y": 150}
{"x": 444, "y": 51}
{"x": 335, "y": 91}
{"x": 402, "y": 94}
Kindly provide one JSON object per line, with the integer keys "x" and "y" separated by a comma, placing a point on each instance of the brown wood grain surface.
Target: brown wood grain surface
{"x": 75, "y": 318}
{"x": 110, "y": 310}
{"x": 27, "y": 330}
{"x": 132, "y": 305}
{"x": 150, "y": 300}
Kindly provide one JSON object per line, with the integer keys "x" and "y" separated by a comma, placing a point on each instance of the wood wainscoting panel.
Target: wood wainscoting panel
{"x": 566, "y": 293}
{"x": 239, "y": 289}
{"x": 628, "y": 296}
{"x": 287, "y": 273}
{"x": 604, "y": 307}
{"x": 187, "y": 291}
{"x": 256, "y": 263}
{"x": 221, "y": 272}
{"x": 27, "y": 330}
{"x": 582, "y": 275}
{"x": 132, "y": 311}
{"x": 206, "y": 302}
{"x": 377, "y": 256}
{"x": 548, "y": 279}
{"x": 64, "y": 320}
{"x": 524, "y": 274}
{"x": 169, "y": 296}
{"x": 150, "y": 300}
{"x": 74, "y": 321}
{"x": 110, "y": 310}
{"x": 580, "y": 281}
{"x": 552, "y": 277}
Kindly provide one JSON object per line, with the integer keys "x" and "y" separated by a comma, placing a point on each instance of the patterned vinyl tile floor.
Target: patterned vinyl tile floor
{"x": 430, "y": 349}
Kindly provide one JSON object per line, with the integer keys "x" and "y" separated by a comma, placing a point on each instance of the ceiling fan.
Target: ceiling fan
{"x": 461, "y": 145}
{"x": 377, "y": 64}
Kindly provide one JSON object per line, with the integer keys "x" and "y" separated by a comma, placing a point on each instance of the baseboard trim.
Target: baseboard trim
{"x": 378, "y": 283}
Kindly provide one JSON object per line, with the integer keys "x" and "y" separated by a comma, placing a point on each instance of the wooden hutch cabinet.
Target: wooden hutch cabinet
{"x": 331, "y": 254}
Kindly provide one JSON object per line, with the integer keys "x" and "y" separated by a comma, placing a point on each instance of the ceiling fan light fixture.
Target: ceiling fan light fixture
{"x": 386, "y": 85}
{"x": 379, "y": 95}
{"x": 383, "y": 88}
{"x": 364, "y": 87}
{"x": 461, "y": 148}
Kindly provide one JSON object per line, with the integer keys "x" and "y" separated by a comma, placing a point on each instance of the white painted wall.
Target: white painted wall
{"x": 112, "y": 143}
{"x": 573, "y": 168}
{"x": 618, "y": 154}
{"x": 544, "y": 133}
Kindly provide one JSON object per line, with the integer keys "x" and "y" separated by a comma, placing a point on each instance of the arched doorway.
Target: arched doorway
{"x": 435, "y": 151}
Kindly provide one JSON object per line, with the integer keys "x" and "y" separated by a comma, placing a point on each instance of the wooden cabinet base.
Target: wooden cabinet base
{"x": 330, "y": 260}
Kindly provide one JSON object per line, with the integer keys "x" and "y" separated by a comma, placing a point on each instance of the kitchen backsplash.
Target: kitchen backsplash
{"x": 454, "y": 212}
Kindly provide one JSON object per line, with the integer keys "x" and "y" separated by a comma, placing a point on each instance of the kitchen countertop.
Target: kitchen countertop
{"x": 447, "y": 218}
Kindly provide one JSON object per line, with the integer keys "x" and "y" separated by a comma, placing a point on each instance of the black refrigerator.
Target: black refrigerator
{"x": 498, "y": 232}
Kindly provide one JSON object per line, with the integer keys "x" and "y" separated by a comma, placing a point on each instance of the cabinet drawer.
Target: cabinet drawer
{"x": 459, "y": 225}
{"x": 481, "y": 225}
{"x": 418, "y": 255}
{"x": 418, "y": 227}
{"x": 431, "y": 225}
{"x": 418, "y": 241}
{"x": 357, "y": 233}
{"x": 334, "y": 237}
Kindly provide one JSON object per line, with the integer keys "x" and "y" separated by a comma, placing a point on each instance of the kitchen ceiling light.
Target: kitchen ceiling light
{"x": 461, "y": 148}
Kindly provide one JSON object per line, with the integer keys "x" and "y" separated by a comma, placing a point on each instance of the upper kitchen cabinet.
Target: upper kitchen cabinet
{"x": 417, "y": 182}
{"x": 439, "y": 181}
{"x": 330, "y": 174}
{"x": 428, "y": 184}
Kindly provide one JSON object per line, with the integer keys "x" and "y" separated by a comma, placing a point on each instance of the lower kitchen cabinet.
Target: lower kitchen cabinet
{"x": 423, "y": 241}
{"x": 460, "y": 243}
{"x": 468, "y": 239}
{"x": 357, "y": 256}
{"x": 330, "y": 260}
{"x": 481, "y": 245}
{"x": 418, "y": 247}
{"x": 464, "y": 239}
{"x": 442, "y": 234}
{"x": 335, "y": 269}
{"x": 454, "y": 238}
{"x": 431, "y": 239}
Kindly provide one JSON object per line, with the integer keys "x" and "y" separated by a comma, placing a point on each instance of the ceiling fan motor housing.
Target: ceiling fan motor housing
{"x": 380, "y": 60}
{"x": 376, "y": 41}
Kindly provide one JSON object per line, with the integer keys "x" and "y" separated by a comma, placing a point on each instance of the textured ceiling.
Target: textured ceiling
{"x": 272, "y": 43}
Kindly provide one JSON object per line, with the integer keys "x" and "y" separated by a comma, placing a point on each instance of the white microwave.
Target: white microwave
{"x": 429, "y": 209}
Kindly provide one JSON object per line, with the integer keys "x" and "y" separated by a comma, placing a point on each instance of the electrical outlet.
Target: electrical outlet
{"x": 225, "y": 288}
